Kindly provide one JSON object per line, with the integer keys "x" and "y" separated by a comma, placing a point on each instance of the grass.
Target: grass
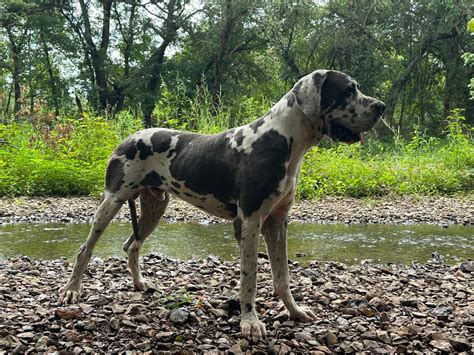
{"x": 68, "y": 157}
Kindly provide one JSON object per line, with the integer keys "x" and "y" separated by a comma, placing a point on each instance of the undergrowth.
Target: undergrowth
{"x": 69, "y": 156}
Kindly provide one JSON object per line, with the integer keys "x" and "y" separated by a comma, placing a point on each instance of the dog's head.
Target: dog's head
{"x": 332, "y": 101}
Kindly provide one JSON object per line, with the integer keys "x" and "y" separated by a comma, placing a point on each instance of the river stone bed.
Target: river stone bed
{"x": 438, "y": 210}
{"x": 378, "y": 308}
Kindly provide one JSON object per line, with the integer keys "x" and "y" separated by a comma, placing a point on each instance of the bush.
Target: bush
{"x": 64, "y": 157}
{"x": 69, "y": 157}
{"x": 423, "y": 165}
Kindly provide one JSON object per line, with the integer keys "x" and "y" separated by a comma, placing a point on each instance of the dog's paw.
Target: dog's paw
{"x": 253, "y": 329}
{"x": 303, "y": 314}
{"x": 69, "y": 294}
{"x": 145, "y": 286}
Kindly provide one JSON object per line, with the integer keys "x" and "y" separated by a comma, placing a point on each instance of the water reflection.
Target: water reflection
{"x": 385, "y": 243}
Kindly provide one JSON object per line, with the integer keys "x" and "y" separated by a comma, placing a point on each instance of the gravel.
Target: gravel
{"x": 376, "y": 308}
{"x": 443, "y": 211}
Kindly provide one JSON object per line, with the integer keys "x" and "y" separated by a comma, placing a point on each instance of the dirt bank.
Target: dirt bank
{"x": 376, "y": 308}
{"x": 400, "y": 210}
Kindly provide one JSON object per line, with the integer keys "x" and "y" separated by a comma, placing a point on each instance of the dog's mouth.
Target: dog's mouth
{"x": 340, "y": 133}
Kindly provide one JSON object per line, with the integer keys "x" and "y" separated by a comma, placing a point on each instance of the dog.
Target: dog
{"x": 246, "y": 174}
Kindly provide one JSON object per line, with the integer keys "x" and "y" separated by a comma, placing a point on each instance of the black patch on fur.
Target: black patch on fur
{"x": 264, "y": 169}
{"x": 128, "y": 148}
{"x": 340, "y": 133}
{"x": 318, "y": 80}
{"x": 237, "y": 229}
{"x": 170, "y": 153}
{"x": 145, "y": 149}
{"x": 175, "y": 191}
{"x": 239, "y": 137}
{"x": 161, "y": 141}
{"x": 290, "y": 100}
{"x": 152, "y": 179}
{"x": 114, "y": 175}
{"x": 334, "y": 90}
{"x": 248, "y": 306}
{"x": 188, "y": 194}
{"x": 210, "y": 166}
{"x": 255, "y": 124}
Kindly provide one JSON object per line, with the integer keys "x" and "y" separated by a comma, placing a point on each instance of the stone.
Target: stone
{"x": 235, "y": 349}
{"x": 68, "y": 313}
{"x": 331, "y": 338}
{"x": 179, "y": 316}
{"x": 383, "y": 336}
{"x": 441, "y": 345}
{"x": 42, "y": 343}
{"x": 71, "y": 335}
{"x": 26, "y": 335}
{"x": 461, "y": 344}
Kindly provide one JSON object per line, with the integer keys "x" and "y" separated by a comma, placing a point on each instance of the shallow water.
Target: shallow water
{"x": 336, "y": 242}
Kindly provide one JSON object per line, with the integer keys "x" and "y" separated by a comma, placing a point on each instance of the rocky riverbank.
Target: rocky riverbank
{"x": 400, "y": 210}
{"x": 376, "y": 308}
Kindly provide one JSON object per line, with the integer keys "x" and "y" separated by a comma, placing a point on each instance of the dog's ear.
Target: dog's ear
{"x": 308, "y": 93}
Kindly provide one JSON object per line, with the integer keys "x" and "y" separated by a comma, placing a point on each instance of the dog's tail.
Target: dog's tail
{"x": 133, "y": 215}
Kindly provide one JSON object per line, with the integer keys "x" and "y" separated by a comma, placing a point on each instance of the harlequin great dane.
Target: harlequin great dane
{"x": 246, "y": 174}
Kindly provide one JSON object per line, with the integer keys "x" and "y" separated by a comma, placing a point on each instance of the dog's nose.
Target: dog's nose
{"x": 379, "y": 106}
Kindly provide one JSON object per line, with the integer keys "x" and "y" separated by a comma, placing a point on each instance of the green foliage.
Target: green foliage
{"x": 423, "y": 165}
{"x": 177, "y": 301}
{"x": 65, "y": 157}
{"x": 175, "y": 110}
{"x": 68, "y": 157}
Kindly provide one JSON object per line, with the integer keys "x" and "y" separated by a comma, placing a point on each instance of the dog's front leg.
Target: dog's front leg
{"x": 275, "y": 232}
{"x": 250, "y": 325}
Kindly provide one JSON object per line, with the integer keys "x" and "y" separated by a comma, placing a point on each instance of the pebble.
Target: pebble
{"x": 111, "y": 318}
{"x": 440, "y": 210}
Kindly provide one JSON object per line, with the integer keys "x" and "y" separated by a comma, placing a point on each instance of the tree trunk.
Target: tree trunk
{"x": 153, "y": 83}
{"x": 49, "y": 68}
{"x": 15, "y": 72}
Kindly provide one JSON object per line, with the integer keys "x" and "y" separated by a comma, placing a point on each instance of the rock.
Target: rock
{"x": 461, "y": 344}
{"x": 71, "y": 335}
{"x": 9, "y": 342}
{"x": 331, "y": 338}
{"x": 383, "y": 336}
{"x": 118, "y": 308}
{"x": 235, "y": 349}
{"x": 143, "y": 330}
{"x": 114, "y": 323}
{"x": 441, "y": 345}
{"x": 384, "y": 318}
{"x": 42, "y": 343}
{"x": 303, "y": 336}
{"x": 409, "y": 302}
{"x": 442, "y": 312}
{"x": 68, "y": 313}
{"x": 26, "y": 335}
{"x": 164, "y": 336}
{"x": 467, "y": 266}
{"x": 179, "y": 316}
{"x": 350, "y": 311}
{"x": 366, "y": 311}
{"x": 223, "y": 343}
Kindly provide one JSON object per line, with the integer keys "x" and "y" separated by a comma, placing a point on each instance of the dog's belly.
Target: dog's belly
{"x": 209, "y": 204}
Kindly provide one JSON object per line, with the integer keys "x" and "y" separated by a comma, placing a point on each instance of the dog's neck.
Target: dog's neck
{"x": 293, "y": 122}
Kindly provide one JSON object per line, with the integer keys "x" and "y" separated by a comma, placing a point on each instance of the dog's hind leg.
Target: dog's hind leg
{"x": 107, "y": 210}
{"x": 153, "y": 203}
{"x": 274, "y": 231}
